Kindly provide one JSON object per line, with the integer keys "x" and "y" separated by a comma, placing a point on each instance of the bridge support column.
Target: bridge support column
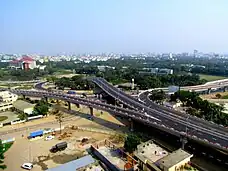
{"x": 131, "y": 126}
{"x": 224, "y": 89}
{"x": 91, "y": 111}
{"x": 46, "y": 99}
{"x": 23, "y": 96}
{"x": 76, "y": 104}
{"x": 183, "y": 141}
{"x": 209, "y": 91}
{"x": 69, "y": 105}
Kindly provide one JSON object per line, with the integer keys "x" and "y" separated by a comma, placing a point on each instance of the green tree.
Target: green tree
{"x": 23, "y": 116}
{"x": 131, "y": 142}
{"x": 41, "y": 108}
{"x": 2, "y": 165}
{"x": 158, "y": 96}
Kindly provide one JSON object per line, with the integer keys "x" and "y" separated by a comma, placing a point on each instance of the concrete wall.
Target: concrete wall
{"x": 103, "y": 159}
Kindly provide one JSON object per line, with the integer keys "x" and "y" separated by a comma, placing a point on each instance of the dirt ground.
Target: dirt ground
{"x": 37, "y": 151}
{"x": 212, "y": 95}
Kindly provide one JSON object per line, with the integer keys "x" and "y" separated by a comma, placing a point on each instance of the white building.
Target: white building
{"x": 6, "y": 100}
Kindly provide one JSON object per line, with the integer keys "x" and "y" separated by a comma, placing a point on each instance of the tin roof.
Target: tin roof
{"x": 75, "y": 164}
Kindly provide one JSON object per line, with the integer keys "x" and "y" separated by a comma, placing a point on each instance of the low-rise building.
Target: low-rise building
{"x": 152, "y": 157}
{"x": 75, "y": 164}
{"x": 23, "y": 107}
{"x": 6, "y": 100}
{"x": 175, "y": 161}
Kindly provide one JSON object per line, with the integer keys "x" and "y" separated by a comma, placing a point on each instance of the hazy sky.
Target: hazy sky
{"x": 130, "y": 26}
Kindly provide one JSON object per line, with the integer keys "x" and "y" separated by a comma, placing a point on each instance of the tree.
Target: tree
{"x": 131, "y": 143}
{"x": 158, "y": 96}
{"x": 59, "y": 117}
{"x": 41, "y": 108}
{"x": 22, "y": 116}
{"x": 218, "y": 96}
{"x": 2, "y": 166}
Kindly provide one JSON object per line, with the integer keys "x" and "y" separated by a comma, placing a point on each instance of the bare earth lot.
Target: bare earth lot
{"x": 37, "y": 151}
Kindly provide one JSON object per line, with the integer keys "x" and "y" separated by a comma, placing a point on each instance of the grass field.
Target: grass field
{"x": 2, "y": 118}
{"x": 211, "y": 77}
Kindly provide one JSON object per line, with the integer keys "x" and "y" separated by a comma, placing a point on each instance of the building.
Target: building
{"x": 75, "y": 164}
{"x": 152, "y": 157}
{"x": 24, "y": 63}
{"x": 6, "y": 100}
{"x": 23, "y": 107}
{"x": 113, "y": 157}
{"x": 156, "y": 71}
{"x": 165, "y": 71}
{"x": 175, "y": 161}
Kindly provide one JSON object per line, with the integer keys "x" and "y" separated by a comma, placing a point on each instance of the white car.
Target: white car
{"x": 50, "y": 137}
{"x": 27, "y": 166}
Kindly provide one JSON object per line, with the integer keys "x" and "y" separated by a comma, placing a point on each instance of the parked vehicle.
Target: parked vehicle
{"x": 27, "y": 166}
{"x": 50, "y": 137}
{"x": 36, "y": 134}
{"x": 71, "y": 92}
{"x": 59, "y": 147}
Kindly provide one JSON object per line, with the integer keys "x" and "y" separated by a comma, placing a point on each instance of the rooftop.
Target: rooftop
{"x": 74, "y": 165}
{"x": 174, "y": 158}
{"x": 21, "y": 105}
{"x": 150, "y": 151}
{"x": 113, "y": 156}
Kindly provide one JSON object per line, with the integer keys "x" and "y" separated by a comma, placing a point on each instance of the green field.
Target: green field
{"x": 2, "y": 118}
{"x": 211, "y": 77}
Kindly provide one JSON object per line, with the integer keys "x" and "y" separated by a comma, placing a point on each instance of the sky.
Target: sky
{"x": 119, "y": 26}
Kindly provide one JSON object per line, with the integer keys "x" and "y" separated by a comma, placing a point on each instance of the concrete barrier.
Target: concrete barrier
{"x": 17, "y": 122}
{"x": 35, "y": 117}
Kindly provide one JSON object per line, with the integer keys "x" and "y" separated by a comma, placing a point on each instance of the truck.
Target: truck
{"x": 36, "y": 134}
{"x": 58, "y": 147}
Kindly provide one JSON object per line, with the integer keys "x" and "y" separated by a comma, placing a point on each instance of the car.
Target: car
{"x": 49, "y": 137}
{"x": 27, "y": 166}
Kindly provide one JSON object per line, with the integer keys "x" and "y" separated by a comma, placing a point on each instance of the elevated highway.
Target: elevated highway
{"x": 185, "y": 125}
{"x": 161, "y": 118}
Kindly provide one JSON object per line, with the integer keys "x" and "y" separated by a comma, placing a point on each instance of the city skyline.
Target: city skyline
{"x": 71, "y": 27}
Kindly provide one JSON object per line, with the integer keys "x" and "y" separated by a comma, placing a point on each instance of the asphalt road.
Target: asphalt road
{"x": 195, "y": 129}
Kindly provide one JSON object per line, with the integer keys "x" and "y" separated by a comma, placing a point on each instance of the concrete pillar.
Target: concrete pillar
{"x": 183, "y": 141}
{"x": 46, "y": 99}
{"x": 69, "y": 105}
{"x": 209, "y": 91}
{"x": 76, "y": 104}
{"x": 224, "y": 89}
{"x": 131, "y": 124}
{"x": 91, "y": 111}
{"x": 23, "y": 96}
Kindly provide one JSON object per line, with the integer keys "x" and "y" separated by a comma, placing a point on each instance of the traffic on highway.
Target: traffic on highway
{"x": 149, "y": 113}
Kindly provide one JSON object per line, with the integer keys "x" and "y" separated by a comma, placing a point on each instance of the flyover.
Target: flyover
{"x": 184, "y": 124}
{"x": 161, "y": 119}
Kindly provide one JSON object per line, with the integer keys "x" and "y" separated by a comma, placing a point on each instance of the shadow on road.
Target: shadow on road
{"x": 100, "y": 121}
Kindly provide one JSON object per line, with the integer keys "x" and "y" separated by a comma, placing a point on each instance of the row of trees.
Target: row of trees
{"x": 77, "y": 82}
{"x": 201, "y": 108}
